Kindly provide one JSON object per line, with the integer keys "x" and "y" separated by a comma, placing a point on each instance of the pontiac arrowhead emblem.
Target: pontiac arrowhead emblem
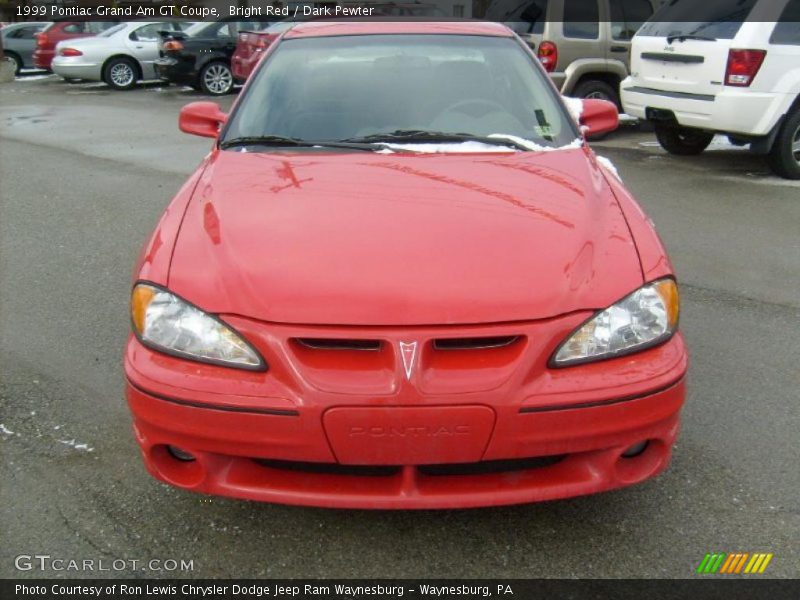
{"x": 408, "y": 352}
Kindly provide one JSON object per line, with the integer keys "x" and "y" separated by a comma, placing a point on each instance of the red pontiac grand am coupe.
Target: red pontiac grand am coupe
{"x": 401, "y": 279}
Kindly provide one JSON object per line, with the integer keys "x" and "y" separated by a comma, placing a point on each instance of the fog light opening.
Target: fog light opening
{"x": 180, "y": 454}
{"x": 636, "y": 449}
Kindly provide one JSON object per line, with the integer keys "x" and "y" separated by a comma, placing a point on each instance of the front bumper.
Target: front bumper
{"x": 356, "y": 436}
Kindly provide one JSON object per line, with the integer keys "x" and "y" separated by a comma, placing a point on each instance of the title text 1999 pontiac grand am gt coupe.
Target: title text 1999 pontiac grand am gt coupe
{"x": 401, "y": 279}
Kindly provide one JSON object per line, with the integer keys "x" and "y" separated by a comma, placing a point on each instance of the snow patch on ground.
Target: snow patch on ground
{"x": 5, "y": 430}
{"x": 720, "y": 142}
{"x": 32, "y": 77}
{"x": 78, "y": 446}
{"x": 609, "y": 166}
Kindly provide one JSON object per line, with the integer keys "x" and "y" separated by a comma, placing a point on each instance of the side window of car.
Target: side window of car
{"x": 98, "y": 26}
{"x": 627, "y": 16}
{"x": 581, "y": 19}
{"x": 73, "y": 28}
{"x": 225, "y": 31}
{"x": 148, "y": 33}
{"x": 25, "y": 33}
{"x": 787, "y": 30}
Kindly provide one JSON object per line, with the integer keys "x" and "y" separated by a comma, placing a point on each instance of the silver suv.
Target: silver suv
{"x": 583, "y": 44}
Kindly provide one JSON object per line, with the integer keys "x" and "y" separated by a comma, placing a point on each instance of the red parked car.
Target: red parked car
{"x": 401, "y": 279}
{"x": 63, "y": 30}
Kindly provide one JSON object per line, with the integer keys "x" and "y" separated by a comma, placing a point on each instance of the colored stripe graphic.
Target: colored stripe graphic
{"x": 729, "y": 562}
{"x": 703, "y": 563}
{"x": 766, "y": 562}
{"x": 741, "y": 562}
{"x": 734, "y": 563}
{"x": 711, "y": 563}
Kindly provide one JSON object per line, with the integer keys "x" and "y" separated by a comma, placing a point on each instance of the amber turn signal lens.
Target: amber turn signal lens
{"x": 140, "y": 300}
{"x": 668, "y": 290}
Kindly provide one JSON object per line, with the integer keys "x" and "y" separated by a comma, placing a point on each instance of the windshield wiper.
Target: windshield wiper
{"x": 406, "y": 136}
{"x": 277, "y": 140}
{"x": 682, "y": 37}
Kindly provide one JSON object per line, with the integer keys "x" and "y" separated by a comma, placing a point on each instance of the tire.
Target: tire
{"x": 17, "y": 62}
{"x": 216, "y": 78}
{"x": 784, "y": 156}
{"x": 121, "y": 73}
{"x": 595, "y": 88}
{"x": 682, "y": 141}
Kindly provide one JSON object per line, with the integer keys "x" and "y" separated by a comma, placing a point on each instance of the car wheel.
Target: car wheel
{"x": 596, "y": 89}
{"x": 120, "y": 73}
{"x": 216, "y": 79}
{"x": 784, "y": 156}
{"x": 683, "y": 141}
{"x": 17, "y": 62}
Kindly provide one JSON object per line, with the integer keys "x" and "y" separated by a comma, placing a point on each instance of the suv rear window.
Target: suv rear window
{"x": 719, "y": 19}
{"x": 787, "y": 31}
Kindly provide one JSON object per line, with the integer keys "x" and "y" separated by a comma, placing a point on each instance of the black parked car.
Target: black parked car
{"x": 200, "y": 56}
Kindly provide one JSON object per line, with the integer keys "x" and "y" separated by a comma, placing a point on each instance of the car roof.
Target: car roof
{"x": 324, "y": 28}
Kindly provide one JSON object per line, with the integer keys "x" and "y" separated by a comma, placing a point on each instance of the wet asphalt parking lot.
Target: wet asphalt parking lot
{"x": 84, "y": 174}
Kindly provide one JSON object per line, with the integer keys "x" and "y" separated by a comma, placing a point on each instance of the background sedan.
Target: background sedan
{"x": 19, "y": 42}
{"x": 119, "y": 56}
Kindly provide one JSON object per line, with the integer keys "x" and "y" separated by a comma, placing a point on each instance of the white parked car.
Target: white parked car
{"x": 721, "y": 66}
{"x": 120, "y": 56}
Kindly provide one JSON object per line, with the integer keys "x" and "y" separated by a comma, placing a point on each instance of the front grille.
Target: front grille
{"x": 490, "y": 467}
{"x": 474, "y": 343}
{"x": 487, "y": 467}
{"x": 339, "y": 344}
{"x": 329, "y": 468}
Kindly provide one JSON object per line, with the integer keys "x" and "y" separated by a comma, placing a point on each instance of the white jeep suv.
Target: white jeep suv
{"x": 721, "y": 66}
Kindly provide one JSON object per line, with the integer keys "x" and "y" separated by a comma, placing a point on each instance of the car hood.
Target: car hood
{"x": 403, "y": 239}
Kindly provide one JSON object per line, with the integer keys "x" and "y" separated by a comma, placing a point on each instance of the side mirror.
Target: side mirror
{"x": 598, "y": 117}
{"x": 202, "y": 118}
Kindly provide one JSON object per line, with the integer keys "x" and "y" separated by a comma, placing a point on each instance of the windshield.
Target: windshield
{"x": 714, "y": 19}
{"x": 350, "y": 87}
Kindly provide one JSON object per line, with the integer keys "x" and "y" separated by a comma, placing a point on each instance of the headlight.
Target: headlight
{"x": 164, "y": 322}
{"x": 649, "y": 316}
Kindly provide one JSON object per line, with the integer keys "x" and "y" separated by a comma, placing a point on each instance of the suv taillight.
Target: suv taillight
{"x": 548, "y": 56}
{"x": 41, "y": 40}
{"x": 743, "y": 65}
